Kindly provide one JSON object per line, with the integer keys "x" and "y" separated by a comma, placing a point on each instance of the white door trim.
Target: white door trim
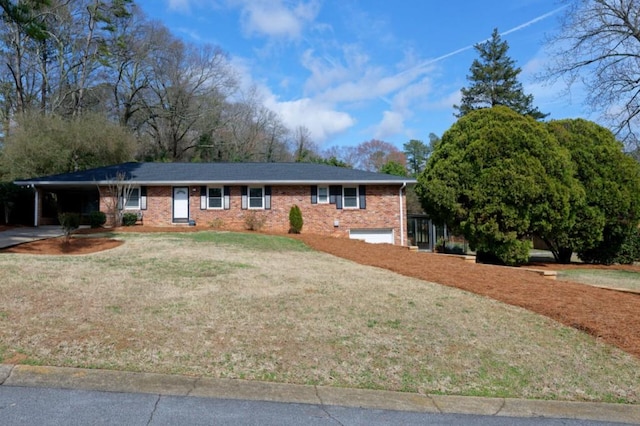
{"x": 180, "y": 209}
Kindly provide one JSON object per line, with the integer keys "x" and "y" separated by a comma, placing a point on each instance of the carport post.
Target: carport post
{"x": 36, "y": 205}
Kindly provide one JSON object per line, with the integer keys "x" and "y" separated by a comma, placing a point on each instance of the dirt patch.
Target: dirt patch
{"x": 58, "y": 246}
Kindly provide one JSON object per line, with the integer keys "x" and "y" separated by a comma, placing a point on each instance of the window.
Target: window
{"x": 215, "y": 198}
{"x": 133, "y": 200}
{"x": 350, "y": 197}
{"x": 256, "y": 197}
{"x": 323, "y": 195}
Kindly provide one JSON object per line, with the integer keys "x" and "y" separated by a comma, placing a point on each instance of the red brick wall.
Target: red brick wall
{"x": 382, "y": 211}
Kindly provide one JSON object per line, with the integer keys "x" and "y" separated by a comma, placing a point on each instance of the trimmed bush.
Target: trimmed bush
{"x": 254, "y": 221}
{"x": 129, "y": 219}
{"x": 295, "y": 220}
{"x": 97, "y": 219}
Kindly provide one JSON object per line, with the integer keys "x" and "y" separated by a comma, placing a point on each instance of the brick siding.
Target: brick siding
{"x": 382, "y": 211}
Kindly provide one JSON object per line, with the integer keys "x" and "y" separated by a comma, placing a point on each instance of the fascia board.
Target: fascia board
{"x": 220, "y": 182}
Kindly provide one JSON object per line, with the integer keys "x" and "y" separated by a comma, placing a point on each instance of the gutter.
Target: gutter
{"x": 209, "y": 182}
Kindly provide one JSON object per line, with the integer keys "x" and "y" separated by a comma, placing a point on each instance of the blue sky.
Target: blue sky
{"x": 356, "y": 70}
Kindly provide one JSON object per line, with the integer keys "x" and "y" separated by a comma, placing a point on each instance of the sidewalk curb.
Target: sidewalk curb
{"x": 163, "y": 384}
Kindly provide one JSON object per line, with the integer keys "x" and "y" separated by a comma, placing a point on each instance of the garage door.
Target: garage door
{"x": 372, "y": 235}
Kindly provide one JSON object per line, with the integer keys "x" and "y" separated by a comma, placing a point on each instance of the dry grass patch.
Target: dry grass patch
{"x": 629, "y": 280}
{"x": 266, "y": 308}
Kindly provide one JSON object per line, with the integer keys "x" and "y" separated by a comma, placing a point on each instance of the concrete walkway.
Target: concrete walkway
{"x": 160, "y": 384}
{"x": 15, "y": 236}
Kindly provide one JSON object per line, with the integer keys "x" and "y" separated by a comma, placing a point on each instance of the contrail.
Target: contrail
{"x": 464, "y": 49}
{"x": 512, "y": 30}
{"x": 533, "y": 21}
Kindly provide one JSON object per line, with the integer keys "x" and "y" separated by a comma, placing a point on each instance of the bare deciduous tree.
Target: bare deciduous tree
{"x": 115, "y": 195}
{"x": 599, "y": 46}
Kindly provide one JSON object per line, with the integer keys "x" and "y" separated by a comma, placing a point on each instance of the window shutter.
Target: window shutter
{"x": 363, "y": 196}
{"x": 226, "y": 201}
{"x": 120, "y": 201}
{"x": 143, "y": 198}
{"x": 203, "y": 198}
{"x": 335, "y": 195}
{"x": 245, "y": 201}
{"x": 267, "y": 198}
{"x": 314, "y": 194}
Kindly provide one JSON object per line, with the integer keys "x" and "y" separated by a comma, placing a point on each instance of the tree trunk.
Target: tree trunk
{"x": 564, "y": 255}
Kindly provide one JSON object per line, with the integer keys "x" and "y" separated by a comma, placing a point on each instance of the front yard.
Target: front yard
{"x": 268, "y": 308}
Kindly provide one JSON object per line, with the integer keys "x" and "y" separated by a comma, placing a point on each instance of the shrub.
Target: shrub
{"x": 619, "y": 245}
{"x": 630, "y": 250}
{"x": 97, "y": 219}
{"x": 69, "y": 223}
{"x": 295, "y": 220}
{"x": 455, "y": 248}
{"x": 625, "y": 252}
{"x": 129, "y": 219}
{"x": 216, "y": 223}
{"x": 254, "y": 221}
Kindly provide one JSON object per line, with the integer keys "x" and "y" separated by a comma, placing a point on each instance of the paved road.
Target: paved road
{"x": 47, "y": 406}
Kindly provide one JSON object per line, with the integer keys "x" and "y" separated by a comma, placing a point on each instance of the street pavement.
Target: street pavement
{"x": 68, "y": 396}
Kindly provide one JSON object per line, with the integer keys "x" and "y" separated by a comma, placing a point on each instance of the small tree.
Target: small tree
{"x": 295, "y": 220}
{"x": 392, "y": 167}
{"x": 69, "y": 223}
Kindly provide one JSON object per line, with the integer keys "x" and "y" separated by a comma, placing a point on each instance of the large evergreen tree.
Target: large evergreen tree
{"x": 498, "y": 178}
{"x": 494, "y": 81}
{"x": 610, "y": 211}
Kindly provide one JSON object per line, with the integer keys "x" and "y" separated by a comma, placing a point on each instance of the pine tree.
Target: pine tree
{"x": 494, "y": 81}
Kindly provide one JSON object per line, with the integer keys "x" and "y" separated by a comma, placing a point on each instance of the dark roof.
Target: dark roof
{"x": 219, "y": 173}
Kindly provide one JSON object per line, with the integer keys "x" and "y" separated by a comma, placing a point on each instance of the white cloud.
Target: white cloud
{"x": 322, "y": 120}
{"x": 392, "y": 124}
{"x": 272, "y": 18}
{"x": 182, "y": 6}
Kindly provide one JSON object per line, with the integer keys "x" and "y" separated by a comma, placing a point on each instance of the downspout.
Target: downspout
{"x": 404, "y": 185}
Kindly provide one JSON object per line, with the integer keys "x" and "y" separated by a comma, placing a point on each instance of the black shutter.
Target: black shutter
{"x": 203, "y": 198}
{"x": 245, "y": 201}
{"x": 335, "y": 195}
{"x": 226, "y": 200}
{"x": 267, "y": 198}
{"x": 314, "y": 194}
{"x": 363, "y": 196}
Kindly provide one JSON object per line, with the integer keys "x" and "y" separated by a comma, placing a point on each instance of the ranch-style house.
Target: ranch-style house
{"x": 334, "y": 200}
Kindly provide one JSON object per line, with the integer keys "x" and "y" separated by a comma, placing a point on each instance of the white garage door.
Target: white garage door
{"x": 372, "y": 235}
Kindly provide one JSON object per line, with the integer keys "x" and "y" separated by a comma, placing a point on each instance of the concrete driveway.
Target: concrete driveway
{"x": 15, "y": 236}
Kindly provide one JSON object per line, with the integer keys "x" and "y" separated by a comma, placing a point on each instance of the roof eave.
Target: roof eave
{"x": 220, "y": 182}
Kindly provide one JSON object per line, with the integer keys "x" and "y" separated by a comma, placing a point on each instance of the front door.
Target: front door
{"x": 180, "y": 204}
